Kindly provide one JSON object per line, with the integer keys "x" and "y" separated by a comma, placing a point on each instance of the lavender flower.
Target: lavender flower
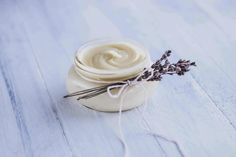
{"x": 154, "y": 73}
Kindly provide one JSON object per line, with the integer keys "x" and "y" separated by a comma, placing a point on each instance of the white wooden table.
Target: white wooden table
{"x": 197, "y": 112}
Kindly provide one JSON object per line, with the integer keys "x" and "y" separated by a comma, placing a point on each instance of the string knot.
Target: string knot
{"x": 129, "y": 83}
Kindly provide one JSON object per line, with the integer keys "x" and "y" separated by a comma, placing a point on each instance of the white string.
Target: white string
{"x": 154, "y": 133}
{"x": 127, "y": 84}
{"x": 145, "y": 102}
{"x": 122, "y": 137}
{"x": 123, "y": 88}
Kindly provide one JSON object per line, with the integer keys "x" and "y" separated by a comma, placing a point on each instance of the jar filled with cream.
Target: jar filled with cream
{"x": 102, "y": 62}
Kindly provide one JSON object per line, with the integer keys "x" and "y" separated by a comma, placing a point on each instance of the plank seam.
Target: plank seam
{"x": 162, "y": 137}
{"x": 18, "y": 113}
{"x": 54, "y": 104}
{"x": 214, "y": 103}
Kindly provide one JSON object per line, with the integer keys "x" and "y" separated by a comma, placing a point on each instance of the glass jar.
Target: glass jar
{"x": 102, "y": 62}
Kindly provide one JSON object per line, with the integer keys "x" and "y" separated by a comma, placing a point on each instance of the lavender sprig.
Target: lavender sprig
{"x": 160, "y": 67}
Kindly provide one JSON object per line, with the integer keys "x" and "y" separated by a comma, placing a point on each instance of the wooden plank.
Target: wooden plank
{"x": 11, "y": 137}
{"x": 169, "y": 38}
{"x": 203, "y": 127}
{"x": 40, "y": 131}
{"x": 152, "y": 28}
{"x": 222, "y": 14}
{"x": 207, "y": 43}
{"x": 217, "y": 38}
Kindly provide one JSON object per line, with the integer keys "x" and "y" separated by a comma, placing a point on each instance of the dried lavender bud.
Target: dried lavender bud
{"x": 166, "y": 54}
{"x": 163, "y": 57}
{"x": 193, "y": 64}
{"x": 167, "y": 62}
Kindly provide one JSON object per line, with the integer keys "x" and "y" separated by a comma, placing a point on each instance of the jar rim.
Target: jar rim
{"x": 80, "y": 67}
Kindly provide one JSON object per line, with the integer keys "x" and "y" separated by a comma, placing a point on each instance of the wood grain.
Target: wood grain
{"x": 196, "y": 113}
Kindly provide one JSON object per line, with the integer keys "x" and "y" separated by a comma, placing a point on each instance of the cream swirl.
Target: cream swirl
{"x": 110, "y": 61}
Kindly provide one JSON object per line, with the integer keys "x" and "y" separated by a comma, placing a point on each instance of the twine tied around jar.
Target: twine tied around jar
{"x": 153, "y": 73}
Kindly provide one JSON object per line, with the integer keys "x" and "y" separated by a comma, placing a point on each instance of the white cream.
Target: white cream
{"x": 106, "y": 61}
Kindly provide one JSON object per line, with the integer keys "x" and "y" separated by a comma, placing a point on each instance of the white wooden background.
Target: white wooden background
{"x": 38, "y": 39}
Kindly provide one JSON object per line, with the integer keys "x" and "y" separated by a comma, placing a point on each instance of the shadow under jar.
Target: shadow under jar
{"x": 101, "y": 62}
